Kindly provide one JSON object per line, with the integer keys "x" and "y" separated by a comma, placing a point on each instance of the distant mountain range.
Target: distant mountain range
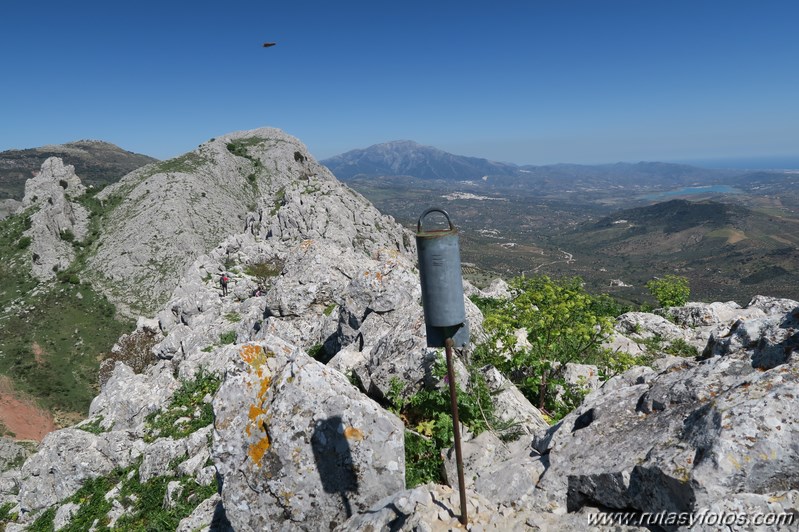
{"x": 409, "y": 159}
{"x": 97, "y": 163}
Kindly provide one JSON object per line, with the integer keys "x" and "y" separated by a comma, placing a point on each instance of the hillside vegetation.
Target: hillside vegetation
{"x": 97, "y": 163}
{"x": 53, "y": 334}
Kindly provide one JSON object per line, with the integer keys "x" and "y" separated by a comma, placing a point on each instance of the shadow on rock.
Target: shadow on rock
{"x": 333, "y": 459}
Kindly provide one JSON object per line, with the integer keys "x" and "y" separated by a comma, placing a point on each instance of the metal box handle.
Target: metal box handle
{"x": 428, "y": 211}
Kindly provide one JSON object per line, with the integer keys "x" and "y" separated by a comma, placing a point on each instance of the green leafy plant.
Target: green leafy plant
{"x": 670, "y": 290}
{"x": 23, "y": 242}
{"x": 67, "y": 235}
{"x": 187, "y": 405}
{"x": 233, "y": 317}
{"x": 144, "y": 502}
{"x": 681, "y": 348}
{"x": 563, "y": 324}
{"x": 264, "y": 272}
{"x": 427, "y": 416}
{"x": 44, "y": 523}
{"x": 228, "y": 337}
{"x": 94, "y": 426}
{"x": 317, "y": 352}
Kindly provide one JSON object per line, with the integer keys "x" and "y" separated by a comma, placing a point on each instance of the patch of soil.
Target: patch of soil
{"x": 38, "y": 353}
{"x": 21, "y": 416}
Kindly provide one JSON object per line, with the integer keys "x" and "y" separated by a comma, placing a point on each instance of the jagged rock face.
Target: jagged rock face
{"x": 298, "y": 445}
{"x": 684, "y": 439}
{"x": 67, "y": 458}
{"x": 56, "y": 220}
{"x": 262, "y": 181}
{"x": 127, "y": 398}
{"x": 503, "y": 473}
{"x": 54, "y": 175}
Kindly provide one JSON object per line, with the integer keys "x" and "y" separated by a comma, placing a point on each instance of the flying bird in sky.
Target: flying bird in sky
{"x": 268, "y": 44}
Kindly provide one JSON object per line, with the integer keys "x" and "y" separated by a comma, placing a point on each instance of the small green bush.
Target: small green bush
{"x": 681, "y": 348}
{"x": 24, "y": 242}
{"x": 264, "y": 271}
{"x": 67, "y": 235}
{"x": 187, "y": 402}
{"x": 228, "y": 338}
{"x": 670, "y": 291}
{"x": 317, "y": 352}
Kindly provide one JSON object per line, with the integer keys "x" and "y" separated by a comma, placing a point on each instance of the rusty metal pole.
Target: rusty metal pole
{"x": 456, "y": 429}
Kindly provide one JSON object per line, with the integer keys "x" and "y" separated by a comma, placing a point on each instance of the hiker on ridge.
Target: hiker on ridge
{"x": 223, "y": 281}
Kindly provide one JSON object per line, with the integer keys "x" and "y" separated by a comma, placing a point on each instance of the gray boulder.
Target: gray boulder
{"x": 127, "y": 399}
{"x": 297, "y": 445}
{"x": 643, "y": 325}
{"x": 684, "y": 439}
{"x": 511, "y": 406}
{"x": 67, "y": 458}
{"x": 710, "y": 314}
{"x": 773, "y": 305}
{"x": 13, "y": 453}
{"x": 9, "y": 207}
{"x": 768, "y": 342}
{"x": 502, "y": 473}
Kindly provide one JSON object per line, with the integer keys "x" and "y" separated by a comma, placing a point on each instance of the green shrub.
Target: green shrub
{"x": 265, "y": 271}
{"x": 94, "y": 426}
{"x": 24, "y": 242}
{"x": 67, "y": 235}
{"x": 237, "y": 149}
{"x": 44, "y": 523}
{"x": 317, "y": 352}
{"x": 563, "y": 323}
{"x": 187, "y": 404}
{"x": 681, "y": 348}
{"x": 427, "y": 414}
{"x": 228, "y": 338}
{"x": 670, "y": 291}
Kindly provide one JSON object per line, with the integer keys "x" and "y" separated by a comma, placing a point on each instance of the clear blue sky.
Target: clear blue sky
{"x": 529, "y": 82}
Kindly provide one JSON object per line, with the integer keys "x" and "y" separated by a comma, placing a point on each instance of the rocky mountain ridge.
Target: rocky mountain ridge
{"x": 426, "y": 163}
{"x": 232, "y": 424}
{"x": 98, "y": 163}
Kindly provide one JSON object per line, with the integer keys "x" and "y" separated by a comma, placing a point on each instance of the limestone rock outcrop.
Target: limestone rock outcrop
{"x": 262, "y": 182}
{"x": 261, "y": 407}
{"x": 682, "y": 440}
{"x": 297, "y": 444}
{"x": 56, "y": 219}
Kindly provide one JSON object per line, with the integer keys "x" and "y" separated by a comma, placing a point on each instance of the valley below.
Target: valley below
{"x": 731, "y": 241}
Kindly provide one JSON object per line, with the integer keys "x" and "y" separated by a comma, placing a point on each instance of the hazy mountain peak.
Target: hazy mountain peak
{"x": 409, "y": 158}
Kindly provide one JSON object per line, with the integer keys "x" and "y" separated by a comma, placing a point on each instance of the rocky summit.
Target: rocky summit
{"x": 261, "y": 406}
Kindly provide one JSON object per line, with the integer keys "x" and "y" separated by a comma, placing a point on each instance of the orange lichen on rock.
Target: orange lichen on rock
{"x": 258, "y": 450}
{"x": 265, "y": 382}
{"x": 351, "y": 433}
{"x": 255, "y": 411}
{"x": 254, "y": 355}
